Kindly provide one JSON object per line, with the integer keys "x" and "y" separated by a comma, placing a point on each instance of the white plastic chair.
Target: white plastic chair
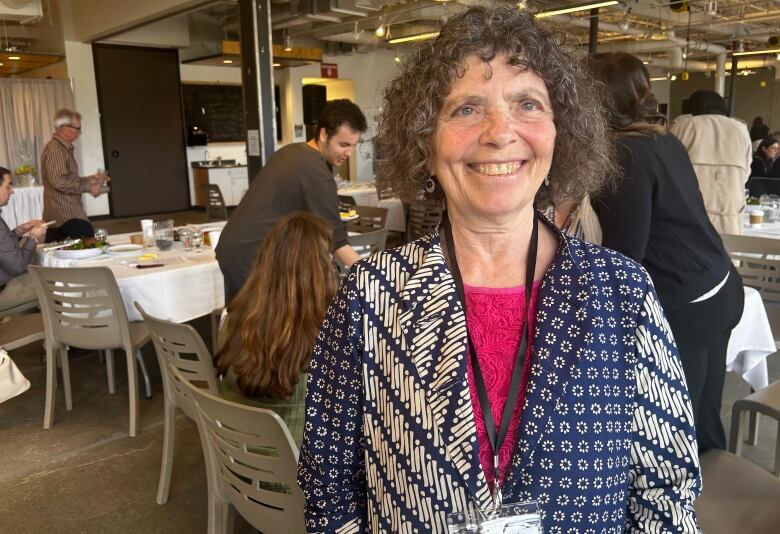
{"x": 179, "y": 346}
{"x": 255, "y": 460}
{"x": 82, "y": 307}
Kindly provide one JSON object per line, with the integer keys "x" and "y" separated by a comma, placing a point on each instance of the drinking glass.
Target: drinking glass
{"x": 197, "y": 239}
{"x": 101, "y": 234}
{"x": 163, "y": 234}
{"x": 185, "y": 235}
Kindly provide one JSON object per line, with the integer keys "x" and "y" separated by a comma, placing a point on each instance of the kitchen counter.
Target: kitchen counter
{"x": 216, "y": 164}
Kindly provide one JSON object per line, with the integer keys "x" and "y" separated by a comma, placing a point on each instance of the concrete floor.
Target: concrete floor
{"x": 85, "y": 475}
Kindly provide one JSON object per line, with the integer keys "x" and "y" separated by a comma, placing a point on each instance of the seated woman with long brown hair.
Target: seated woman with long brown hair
{"x": 267, "y": 336}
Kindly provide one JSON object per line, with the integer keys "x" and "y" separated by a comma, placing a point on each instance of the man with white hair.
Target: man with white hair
{"x": 62, "y": 185}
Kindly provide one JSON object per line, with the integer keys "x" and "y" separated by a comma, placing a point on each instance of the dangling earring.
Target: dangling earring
{"x": 430, "y": 185}
{"x": 547, "y": 181}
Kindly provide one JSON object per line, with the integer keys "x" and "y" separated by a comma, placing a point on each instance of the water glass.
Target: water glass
{"x": 101, "y": 234}
{"x": 163, "y": 234}
{"x": 185, "y": 235}
{"x": 197, "y": 239}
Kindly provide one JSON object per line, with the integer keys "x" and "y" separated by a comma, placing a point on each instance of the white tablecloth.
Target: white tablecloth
{"x": 365, "y": 195}
{"x": 191, "y": 287}
{"x": 26, "y": 203}
{"x": 751, "y": 342}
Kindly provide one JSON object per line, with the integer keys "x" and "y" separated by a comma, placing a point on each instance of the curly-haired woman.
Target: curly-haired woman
{"x": 496, "y": 360}
{"x": 269, "y": 330}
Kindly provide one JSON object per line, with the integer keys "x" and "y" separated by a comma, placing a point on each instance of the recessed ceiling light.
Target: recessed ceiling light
{"x": 227, "y": 61}
{"x": 14, "y": 57}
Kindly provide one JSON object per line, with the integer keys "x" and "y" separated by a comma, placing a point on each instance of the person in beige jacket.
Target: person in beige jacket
{"x": 720, "y": 150}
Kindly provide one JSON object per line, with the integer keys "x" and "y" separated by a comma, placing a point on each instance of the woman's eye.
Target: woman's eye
{"x": 530, "y": 106}
{"x": 465, "y": 111}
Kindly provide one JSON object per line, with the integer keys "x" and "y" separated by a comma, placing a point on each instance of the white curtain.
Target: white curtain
{"x": 27, "y": 108}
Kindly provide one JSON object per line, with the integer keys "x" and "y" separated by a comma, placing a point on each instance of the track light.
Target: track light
{"x": 380, "y": 30}
{"x": 288, "y": 44}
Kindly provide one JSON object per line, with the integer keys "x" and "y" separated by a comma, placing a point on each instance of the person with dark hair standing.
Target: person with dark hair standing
{"x": 657, "y": 217}
{"x": 17, "y": 251}
{"x": 758, "y": 130}
{"x": 720, "y": 150}
{"x": 297, "y": 177}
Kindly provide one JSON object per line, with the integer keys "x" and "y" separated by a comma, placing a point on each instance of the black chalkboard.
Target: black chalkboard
{"x": 218, "y": 109}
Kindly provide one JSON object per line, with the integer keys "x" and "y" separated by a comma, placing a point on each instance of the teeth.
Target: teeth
{"x": 497, "y": 169}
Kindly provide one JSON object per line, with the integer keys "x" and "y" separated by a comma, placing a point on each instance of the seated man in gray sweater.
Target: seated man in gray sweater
{"x": 17, "y": 250}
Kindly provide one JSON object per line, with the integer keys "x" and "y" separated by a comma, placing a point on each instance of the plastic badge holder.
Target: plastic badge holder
{"x": 518, "y": 518}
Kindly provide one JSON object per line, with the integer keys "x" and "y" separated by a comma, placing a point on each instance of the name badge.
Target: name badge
{"x": 518, "y": 518}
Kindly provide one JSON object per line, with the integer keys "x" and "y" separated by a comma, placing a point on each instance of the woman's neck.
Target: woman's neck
{"x": 494, "y": 253}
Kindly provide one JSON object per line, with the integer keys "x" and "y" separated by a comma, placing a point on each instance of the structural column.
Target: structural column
{"x": 257, "y": 80}
{"x": 594, "y": 31}
{"x": 733, "y": 81}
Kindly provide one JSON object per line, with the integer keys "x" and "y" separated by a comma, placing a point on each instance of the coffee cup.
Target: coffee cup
{"x": 756, "y": 218}
{"x": 137, "y": 239}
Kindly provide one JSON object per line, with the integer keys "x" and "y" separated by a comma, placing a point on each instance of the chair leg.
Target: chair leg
{"x": 51, "y": 374}
{"x": 65, "y": 363}
{"x": 735, "y": 434}
{"x": 752, "y": 437}
{"x": 147, "y": 383}
{"x": 169, "y": 432}
{"x": 110, "y": 372}
{"x": 777, "y": 451}
{"x": 132, "y": 390}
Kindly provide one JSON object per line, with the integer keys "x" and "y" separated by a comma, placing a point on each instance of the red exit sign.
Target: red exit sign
{"x": 329, "y": 70}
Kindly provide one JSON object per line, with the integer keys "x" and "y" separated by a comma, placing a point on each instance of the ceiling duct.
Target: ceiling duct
{"x": 299, "y": 12}
{"x": 20, "y": 10}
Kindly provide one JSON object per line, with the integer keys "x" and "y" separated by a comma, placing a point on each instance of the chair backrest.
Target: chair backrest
{"x": 180, "y": 346}
{"x": 370, "y": 219}
{"x": 346, "y": 202}
{"x": 256, "y": 461}
{"x": 758, "y": 262}
{"x": 385, "y": 192}
{"x": 368, "y": 243}
{"x": 81, "y": 307}
{"x": 422, "y": 218}
{"x": 216, "y": 208}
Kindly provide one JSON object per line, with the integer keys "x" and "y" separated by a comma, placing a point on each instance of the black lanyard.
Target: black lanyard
{"x": 514, "y": 385}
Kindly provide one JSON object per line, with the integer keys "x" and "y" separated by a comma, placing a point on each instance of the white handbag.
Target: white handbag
{"x": 12, "y": 381}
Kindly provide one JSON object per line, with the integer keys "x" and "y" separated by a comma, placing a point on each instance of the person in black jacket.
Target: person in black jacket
{"x": 657, "y": 217}
{"x": 764, "y": 157}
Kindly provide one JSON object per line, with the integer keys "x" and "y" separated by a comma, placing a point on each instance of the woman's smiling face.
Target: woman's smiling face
{"x": 494, "y": 140}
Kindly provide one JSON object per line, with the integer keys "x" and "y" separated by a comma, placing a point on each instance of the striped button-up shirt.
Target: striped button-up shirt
{"x": 62, "y": 186}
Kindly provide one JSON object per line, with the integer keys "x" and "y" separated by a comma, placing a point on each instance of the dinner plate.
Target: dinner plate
{"x": 126, "y": 248}
{"x": 80, "y": 254}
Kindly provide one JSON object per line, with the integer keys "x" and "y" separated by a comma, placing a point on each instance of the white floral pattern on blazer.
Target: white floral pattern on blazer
{"x": 606, "y": 438}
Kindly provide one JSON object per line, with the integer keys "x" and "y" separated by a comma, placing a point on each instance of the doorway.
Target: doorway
{"x": 139, "y": 95}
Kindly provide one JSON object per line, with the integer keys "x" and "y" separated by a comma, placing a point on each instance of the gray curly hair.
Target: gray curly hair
{"x": 583, "y": 160}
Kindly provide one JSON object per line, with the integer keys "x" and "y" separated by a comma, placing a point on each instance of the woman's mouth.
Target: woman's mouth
{"x": 497, "y": 169}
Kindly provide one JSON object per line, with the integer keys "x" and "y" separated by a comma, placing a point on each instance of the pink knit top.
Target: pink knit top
{"x": 494, "y": 318}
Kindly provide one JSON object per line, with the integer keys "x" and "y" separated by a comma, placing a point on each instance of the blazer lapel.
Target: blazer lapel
{"x": 558, "y": 345}
{"x": 434, "y": 326}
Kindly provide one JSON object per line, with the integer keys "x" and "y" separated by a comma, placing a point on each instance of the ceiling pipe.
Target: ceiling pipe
{"x": 720, "y": 74}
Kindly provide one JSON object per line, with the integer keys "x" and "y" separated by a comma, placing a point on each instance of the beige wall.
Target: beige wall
{"x": 97, "y": 19}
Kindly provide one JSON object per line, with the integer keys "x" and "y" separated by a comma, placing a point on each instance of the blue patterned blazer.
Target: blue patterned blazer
{"x": 606, "y": 439}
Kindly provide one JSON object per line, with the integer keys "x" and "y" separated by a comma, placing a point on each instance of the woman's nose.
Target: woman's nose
{"x": 499, "y": 129}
